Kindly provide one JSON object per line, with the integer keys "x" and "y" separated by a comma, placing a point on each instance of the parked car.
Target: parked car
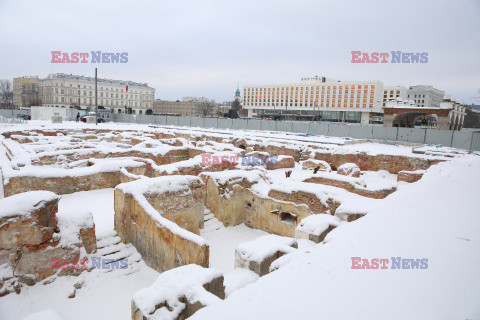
{"x": 24, "y": 116}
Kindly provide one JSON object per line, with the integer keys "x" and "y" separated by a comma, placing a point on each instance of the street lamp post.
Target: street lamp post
{"x": 96, "y": 101}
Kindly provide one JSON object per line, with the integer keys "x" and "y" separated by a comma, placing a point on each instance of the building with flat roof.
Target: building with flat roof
{"x": 67, "y": 90}
{"x": 315, "y": 98}
{"x": 189, "y": 108}
{"x": 394, "y": 93}
{"x": 425, "y": 96}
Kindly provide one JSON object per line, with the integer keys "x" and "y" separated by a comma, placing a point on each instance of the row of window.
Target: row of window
{"x": 309, "y": 88}
{"x": 90, "y": 93}
{"x": 100, "y": 101}
{"x": 101, "y": 88}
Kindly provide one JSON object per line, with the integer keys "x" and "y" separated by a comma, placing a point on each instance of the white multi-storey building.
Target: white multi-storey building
{"x": 425, "y": 96}
{"x": 316, "y": 98}
{"x": 394, "y": 93}
{"x": 71, "y": 91}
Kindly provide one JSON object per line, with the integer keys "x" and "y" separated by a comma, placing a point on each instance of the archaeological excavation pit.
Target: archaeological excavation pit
{"x": 164, "y": 207}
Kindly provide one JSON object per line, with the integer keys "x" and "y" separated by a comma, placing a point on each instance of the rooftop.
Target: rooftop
{"x": 91, "y": 79}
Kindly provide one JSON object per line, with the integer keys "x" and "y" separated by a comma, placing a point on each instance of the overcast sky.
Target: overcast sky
{"x": 206, "y": 48}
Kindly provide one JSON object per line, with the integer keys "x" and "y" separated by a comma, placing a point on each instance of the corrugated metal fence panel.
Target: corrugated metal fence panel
{"x": 300, "y": 126}
{"x": 360, "y": 132}
{"x": 318, "y": 128}
{"x": 443, "y": 137}
{"x": 210, "y": 122}
{"x": 172, "y": 121}
{"x": 269, "y": 125}
{"x": 7, "y": 113}
{"x": 161, "y": 120}
{"x": 476, "y": 141}
{"x": 254, "y": 124}
{"x": 184, "y": 121}
{"x": 124, "y": 118}
{"x": 224, "y": 123}
{"x": 462, "y": 140}
{"x": 144, "y": 119}
{"x": 384, "y": 133}
{"x": 239, "y": 124}
{"x": 338, "y": 130}
{"x": 411, "y": 135}
{"x": 285, "y": 126}
{"x": 196, "y": 122}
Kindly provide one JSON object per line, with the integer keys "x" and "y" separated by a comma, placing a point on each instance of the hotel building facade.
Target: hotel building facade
{"x": 316, "y": 98}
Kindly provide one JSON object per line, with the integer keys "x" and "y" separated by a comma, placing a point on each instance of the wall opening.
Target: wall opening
{"x": 288, "y": 218}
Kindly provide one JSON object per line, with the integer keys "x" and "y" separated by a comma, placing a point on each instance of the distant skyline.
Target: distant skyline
{"x": 207, "y": 48}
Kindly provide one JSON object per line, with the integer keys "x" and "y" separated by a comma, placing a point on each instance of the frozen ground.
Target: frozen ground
{"x": 224, "y": 241}
{"x": 98, "y": 202}
{"x": 107, "y": 295}
{"x": 436, "y": 219}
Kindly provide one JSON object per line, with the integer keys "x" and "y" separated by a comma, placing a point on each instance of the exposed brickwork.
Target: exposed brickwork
{"x": 410, "y": 176}
{"x": 160, "y": 247}
{"x": 391, "y": 163}
{"x": 309, "y": 199}
{"x": 376, "y": 194}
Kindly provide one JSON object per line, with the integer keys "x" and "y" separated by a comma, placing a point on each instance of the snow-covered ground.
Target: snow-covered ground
{"x": 98, "y": 202}
{"x": 224, "y": 241}
{"x": 436, "y": 218}
{"x": 107, "y": 295}
{"x": 104, "y": 295}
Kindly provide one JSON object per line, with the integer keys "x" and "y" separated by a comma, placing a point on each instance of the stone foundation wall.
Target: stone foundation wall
{"x": 410, "y": 176}
{"x": 391, "y": 163}
{"x": 30, "y": 243}
{"x": 160, "y": 248}
{"x": 309, "y": 199}
{"x": 67, "y": 184}
{"x": 376, "y": 194}
{"x": 169, "y": 157}
{"x": 273, "y": 216}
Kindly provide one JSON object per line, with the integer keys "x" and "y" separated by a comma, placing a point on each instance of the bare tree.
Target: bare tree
{"x": 6, "y": 94}
{"x": 206, "y": 108}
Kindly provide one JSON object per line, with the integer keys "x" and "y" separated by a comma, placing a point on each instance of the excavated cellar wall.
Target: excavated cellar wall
{"x": 243, "y": 206}
{"x": 375, "y": 194}
{"x": 308, "y": 199}
{"x": 170, "y": 157}
{"x": 391, "y": 163}
{"x": 160, "y": 248}
{"x": 68, "y": 184}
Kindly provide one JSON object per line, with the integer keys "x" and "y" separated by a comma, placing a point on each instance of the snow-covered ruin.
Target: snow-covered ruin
{"x": 206, "y": 212}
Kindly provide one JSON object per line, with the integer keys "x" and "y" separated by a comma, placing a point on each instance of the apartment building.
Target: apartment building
{"x": 425, "y": 96}
{"x": 25, "y": 90}
{"x": 316, "y": 98}
{"x": 73, "y": 90}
